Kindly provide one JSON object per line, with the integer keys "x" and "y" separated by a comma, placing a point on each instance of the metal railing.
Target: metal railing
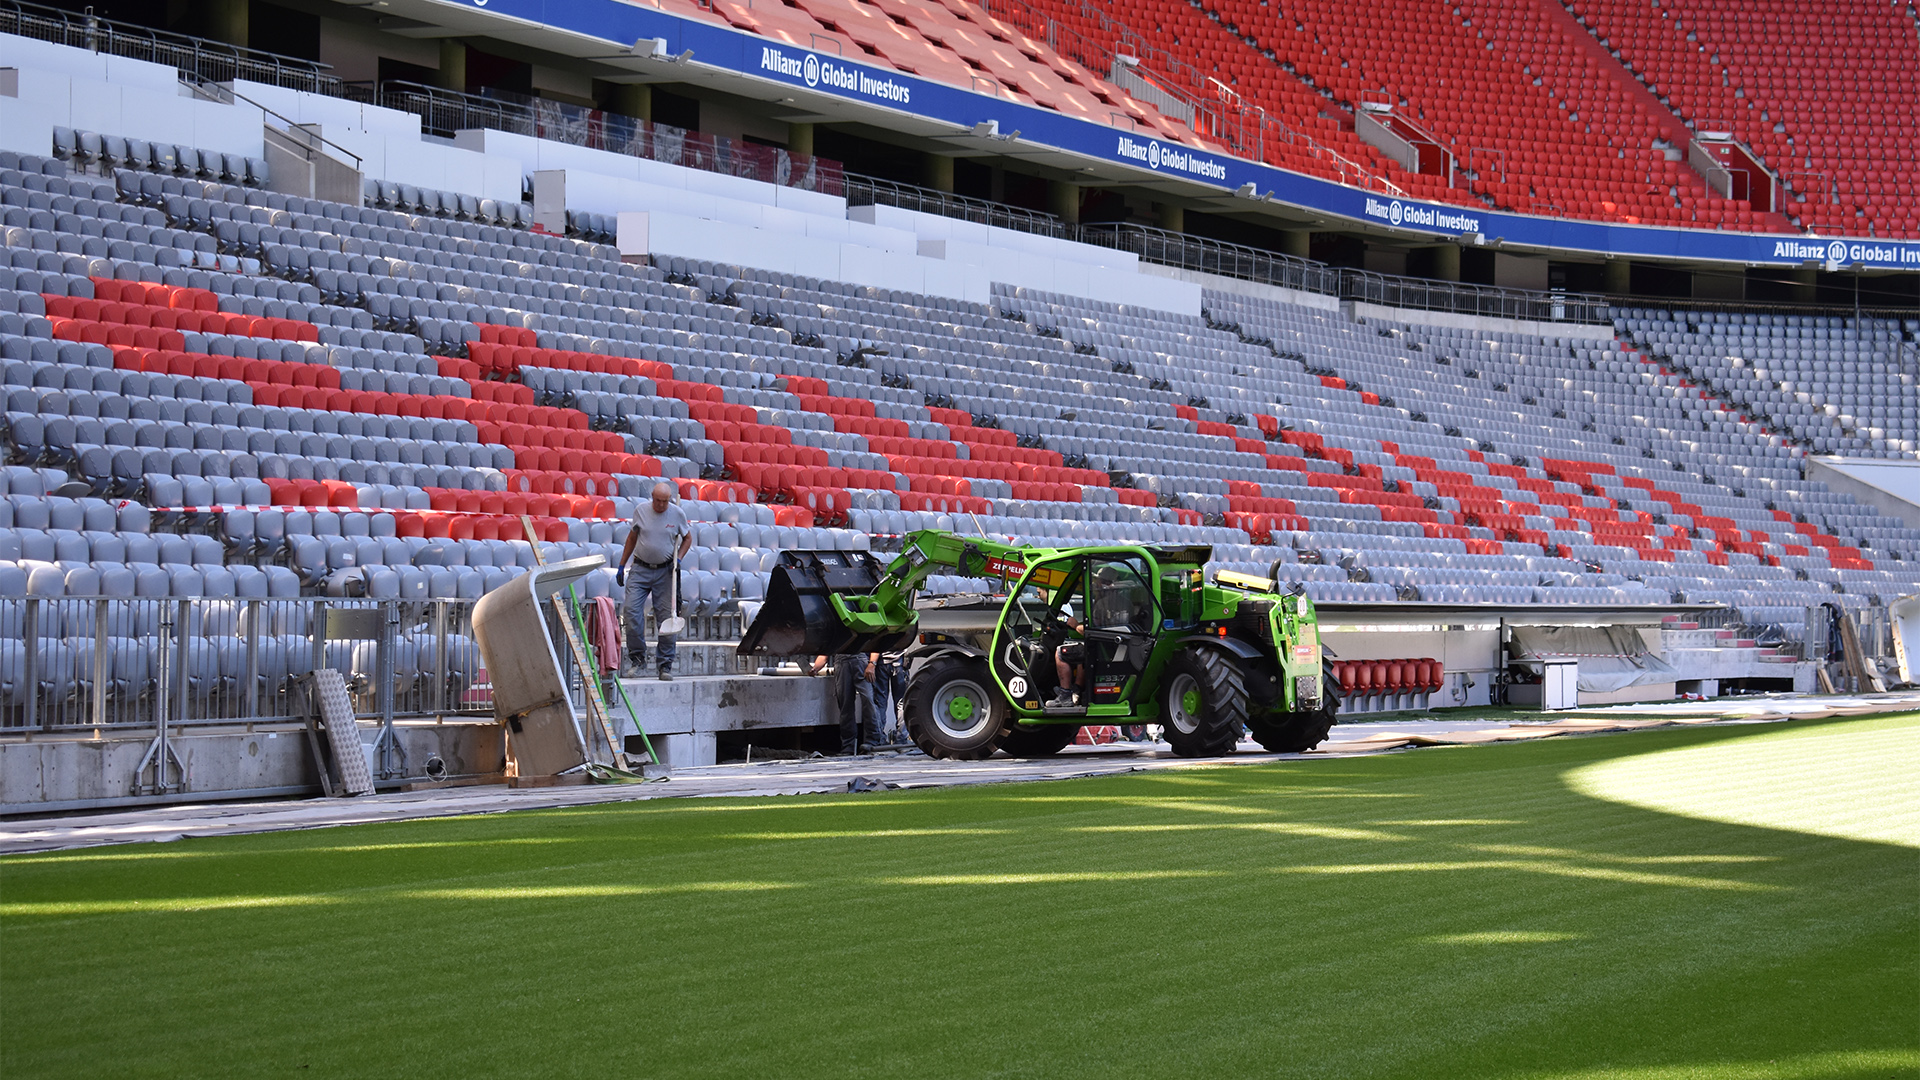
{"x": 304, "y": 135}
{"x": 1408, "y": 292}
{"x": 871, "y": 190}
{"x": 444, "y": 112}
{"x": 103, "y": 663}
{"x": 1831, "y": 309}
{"x": 72, "y": 663}
{"x": 200, "y": 59}
{"x": 1214, "y": 257}
{"x": 1286, "y": 271}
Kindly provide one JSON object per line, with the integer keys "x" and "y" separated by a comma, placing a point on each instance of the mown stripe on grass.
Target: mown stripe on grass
{"x": 1536, "y": 866}
{"x": 1502, "y": 937}
{"x": 1835, "y": 1065}
{"x": 1051, "y": 878}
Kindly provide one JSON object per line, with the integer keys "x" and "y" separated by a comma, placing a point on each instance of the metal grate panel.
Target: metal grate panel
{"x": 343, "y": 733}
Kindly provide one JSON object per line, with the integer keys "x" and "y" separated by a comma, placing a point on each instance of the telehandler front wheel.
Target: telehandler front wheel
{"x": 1038, "y": 740}
{"x": 1297, "y": 733}
{"x": 1203, "y": 703}
{"x": 1293, "y": 733}
{"x": 954, "y": 711}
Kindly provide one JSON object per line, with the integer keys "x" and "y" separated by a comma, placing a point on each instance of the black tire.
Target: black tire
{"x": 1203, "y": 703}
{"x": 1292, "y": 733}
{"x": 1297, "y": 733}
{"x": 1038, "y": 740}
{"x": 954, "y": 711}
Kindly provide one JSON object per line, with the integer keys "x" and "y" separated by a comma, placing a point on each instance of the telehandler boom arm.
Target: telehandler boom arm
{"x": 845, "y": 602}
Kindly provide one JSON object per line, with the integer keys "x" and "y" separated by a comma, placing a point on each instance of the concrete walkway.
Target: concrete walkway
{"x": 905, "y": 770}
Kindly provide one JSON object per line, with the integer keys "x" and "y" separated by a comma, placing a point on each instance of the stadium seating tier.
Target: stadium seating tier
{"x": 220, "y": 393}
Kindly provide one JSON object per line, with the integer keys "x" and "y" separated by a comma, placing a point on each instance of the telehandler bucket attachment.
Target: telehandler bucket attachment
{"x": 800, "y": 617}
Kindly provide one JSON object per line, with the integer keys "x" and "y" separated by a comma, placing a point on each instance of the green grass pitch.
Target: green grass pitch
{"x": 1663, "y": 905}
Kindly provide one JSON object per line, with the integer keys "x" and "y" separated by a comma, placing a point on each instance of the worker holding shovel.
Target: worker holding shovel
{"x": 655, "y": 544}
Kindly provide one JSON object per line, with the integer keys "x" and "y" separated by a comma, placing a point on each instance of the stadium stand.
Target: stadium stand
{"x": 1270, "y": 113}
{"x": 1584, "y": 110}
{"x": 1831, "y": 384}
{"x": 1844, "y": 147}
{"x": 953, "y": 42}
{"x": 1042, "y": 404}
{"x": 220, "y": 392}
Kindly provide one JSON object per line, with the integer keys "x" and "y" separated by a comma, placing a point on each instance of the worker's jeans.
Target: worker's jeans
{"x": 642, "y": 583}
{"x": 889, "y": 688}
{"x": 854, "y": 695}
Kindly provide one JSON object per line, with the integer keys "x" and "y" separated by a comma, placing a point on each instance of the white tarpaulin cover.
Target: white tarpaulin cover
{"x": 1611, "y": 657}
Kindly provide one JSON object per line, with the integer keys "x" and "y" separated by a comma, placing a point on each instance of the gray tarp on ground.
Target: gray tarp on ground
{"x": 1611, "y": 657}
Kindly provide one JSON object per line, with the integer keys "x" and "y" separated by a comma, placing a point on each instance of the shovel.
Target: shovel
{"x": 673, "y": 625}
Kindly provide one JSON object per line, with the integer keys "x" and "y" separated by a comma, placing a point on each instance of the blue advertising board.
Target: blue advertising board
{"x": 750, "y": 55}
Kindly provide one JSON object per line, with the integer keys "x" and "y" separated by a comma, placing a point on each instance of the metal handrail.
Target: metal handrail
{"x": 1214, "y": 257}
{"x": 445, "y": 112}
{"x": 872, "y": 190}
{"x": 1291, "y": 272}
{"x": 1487, "y": 300}
{"x": 1760, "y": 307}
{"x": 206, "y": 60}
{"x": 304, "y": 132}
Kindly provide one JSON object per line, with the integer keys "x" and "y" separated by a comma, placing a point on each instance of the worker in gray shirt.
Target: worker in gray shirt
{"x": 655, "y": 544}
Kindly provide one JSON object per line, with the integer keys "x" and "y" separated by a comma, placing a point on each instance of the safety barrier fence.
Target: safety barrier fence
{"x": 198, "y": 59}
{"x": 1408, "y": 292}
{"x": 111, "y": 662}
{"x": 445, "y": 112}
{"x": 1168, "y": 248}
{"x": 72, "y": 663}
{"x": 872, "y": 190}
{"x": 1189, "y": 252}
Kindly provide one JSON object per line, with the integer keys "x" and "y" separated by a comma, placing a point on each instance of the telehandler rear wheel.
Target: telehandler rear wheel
{"x": 1203, "y": 703}
{"x": 1038, "y": 740}
{"x": 954, "y": 711}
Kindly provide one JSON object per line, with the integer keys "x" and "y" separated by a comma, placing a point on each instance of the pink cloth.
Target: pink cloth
{"x": 603, "y": 633}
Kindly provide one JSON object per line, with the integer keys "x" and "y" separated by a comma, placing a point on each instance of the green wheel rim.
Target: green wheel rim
{"x": 1183, "y": 704}
{"x": 961, "y": 708}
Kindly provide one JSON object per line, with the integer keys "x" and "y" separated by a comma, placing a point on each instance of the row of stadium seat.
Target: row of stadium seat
{"x": 1205, "y": 425}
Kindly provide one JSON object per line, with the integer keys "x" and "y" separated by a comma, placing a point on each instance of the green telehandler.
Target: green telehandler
{"x": 1121, "y": 634}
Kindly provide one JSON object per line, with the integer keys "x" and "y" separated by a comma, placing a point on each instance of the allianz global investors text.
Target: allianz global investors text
{"x": 813, "y": 71}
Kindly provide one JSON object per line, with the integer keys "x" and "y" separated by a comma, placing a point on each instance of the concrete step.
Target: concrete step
{"x": 683, "y": 716}
{"x": 707, "y": 658}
